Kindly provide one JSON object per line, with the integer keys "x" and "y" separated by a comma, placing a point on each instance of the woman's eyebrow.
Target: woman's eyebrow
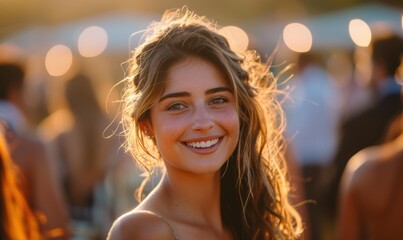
{"x": 175, "y": 95}
{"x": 219, "y": 89}
{"x": 186, "y": 94}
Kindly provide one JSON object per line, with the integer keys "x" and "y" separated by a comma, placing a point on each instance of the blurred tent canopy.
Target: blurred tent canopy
{"x": 328, "y": 29}
{"x": 21, "y": 14}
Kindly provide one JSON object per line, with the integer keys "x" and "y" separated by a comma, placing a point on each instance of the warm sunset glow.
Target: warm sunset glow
{"x": 237, "y": 38}
{"x": 92, "y": 41}
{"x": 58, "y": 60}
{"x": 360, "y": 32}
{"x": 297, "y": 37}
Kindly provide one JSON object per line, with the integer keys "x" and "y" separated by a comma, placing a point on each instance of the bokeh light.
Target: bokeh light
{"x": 237, "y": 38}
{"x": 58, "y": 60}
{"x": 92, "y": 41}
{"x": 297, "y": 37}
{"x": 360, "y": 32}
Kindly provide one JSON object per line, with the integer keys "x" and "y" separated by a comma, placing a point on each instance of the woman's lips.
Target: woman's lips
{"x": 205, "y": 146}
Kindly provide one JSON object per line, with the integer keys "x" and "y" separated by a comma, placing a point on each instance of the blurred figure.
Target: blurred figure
{"x": 38, "y": 181}
{"x": 312, "y": 120}
{"x": 371, "y": 191}
{"x": 86, "y": 158}
{"x": 298, "y": 194}
{"x": 346, "y": 68}
{"x": 17, "y": 219}
{"x": 117, "y": 193}
{"x": 367, "y": 128}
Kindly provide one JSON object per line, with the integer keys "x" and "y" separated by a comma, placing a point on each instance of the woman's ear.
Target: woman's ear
{"x": 146, "y": 128}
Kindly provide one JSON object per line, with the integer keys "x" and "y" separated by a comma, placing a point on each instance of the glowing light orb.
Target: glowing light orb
{"x": 297, "y": 37}
{"x": 92, "y": 41}
{"x": 237, "y": 38}
{"x": 58, "y": 60}
{"x": 360, "y": 32}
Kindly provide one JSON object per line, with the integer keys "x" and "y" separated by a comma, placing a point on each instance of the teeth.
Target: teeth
{"x": 204, "y": 144}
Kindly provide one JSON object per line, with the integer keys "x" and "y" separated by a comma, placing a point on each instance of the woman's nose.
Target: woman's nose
{"x": 202, "y": 120}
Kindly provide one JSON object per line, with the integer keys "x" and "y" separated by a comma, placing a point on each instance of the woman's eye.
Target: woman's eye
{"x": 218, "y": 100}
{"x": 176, "y": 107}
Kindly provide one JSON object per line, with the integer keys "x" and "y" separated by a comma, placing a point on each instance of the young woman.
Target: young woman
{"x": 212, "y": 118}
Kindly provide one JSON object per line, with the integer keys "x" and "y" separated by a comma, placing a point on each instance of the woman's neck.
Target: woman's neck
{"x": 195, "y": 196}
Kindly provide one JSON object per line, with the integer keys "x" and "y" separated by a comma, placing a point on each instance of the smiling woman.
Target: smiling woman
{"x": 211, "y": 117}
{"x": 196, "y": 110}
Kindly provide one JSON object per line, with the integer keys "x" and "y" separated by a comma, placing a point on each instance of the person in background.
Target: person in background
{"x": 367, "y": 128}
{"x": 29, "y": 153}
{"x": 313, "y": 112}
{"x": 211, "y": 117}
{"x": 371, "y": 192}
{"x": 88, "y": 160}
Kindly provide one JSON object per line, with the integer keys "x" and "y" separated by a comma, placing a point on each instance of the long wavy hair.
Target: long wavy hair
{"x": 254, "y": 186}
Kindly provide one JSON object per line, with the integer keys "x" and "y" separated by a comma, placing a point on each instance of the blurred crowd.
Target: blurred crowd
{"x": 339, "y": 130}
{"x": 68, "y": 176}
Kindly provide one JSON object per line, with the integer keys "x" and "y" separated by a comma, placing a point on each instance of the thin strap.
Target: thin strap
{"x": 165, "y": 220}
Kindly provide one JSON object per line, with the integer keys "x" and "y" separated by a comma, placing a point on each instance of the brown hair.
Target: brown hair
{"x": 254, "y": 188}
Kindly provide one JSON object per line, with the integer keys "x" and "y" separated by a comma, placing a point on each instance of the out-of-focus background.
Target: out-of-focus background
{"x": 55, "y": 40}
{"x": 58, "y": 36}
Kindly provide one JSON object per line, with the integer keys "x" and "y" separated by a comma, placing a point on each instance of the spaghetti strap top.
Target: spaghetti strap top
{"x": 166, "y": 221}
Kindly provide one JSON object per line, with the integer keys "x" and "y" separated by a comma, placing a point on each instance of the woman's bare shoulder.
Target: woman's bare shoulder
{"x": 141, "y": 225}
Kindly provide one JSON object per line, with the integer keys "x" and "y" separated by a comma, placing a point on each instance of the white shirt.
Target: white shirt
{"x": 312, "y": 116}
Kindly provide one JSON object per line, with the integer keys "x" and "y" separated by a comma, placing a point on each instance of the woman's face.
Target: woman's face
{"x": 195, "y": 122}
